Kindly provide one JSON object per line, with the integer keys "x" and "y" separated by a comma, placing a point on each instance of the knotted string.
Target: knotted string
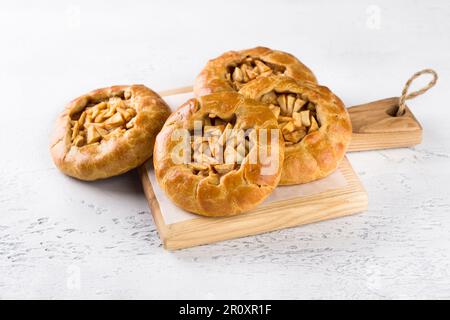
{"x": 405, "y": 95}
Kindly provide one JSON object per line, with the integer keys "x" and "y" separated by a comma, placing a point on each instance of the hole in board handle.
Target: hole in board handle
{"x": 392, "y": 111}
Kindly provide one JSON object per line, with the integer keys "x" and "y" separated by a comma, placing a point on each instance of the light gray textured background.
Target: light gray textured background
{"x": 61, "y": 238}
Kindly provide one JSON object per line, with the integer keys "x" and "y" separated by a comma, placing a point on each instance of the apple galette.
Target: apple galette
{"x": 108, "y": 131}
{"x": 233, "y": 69}
{"x": 314, "y": 123}
{"x": 219, "y": 155}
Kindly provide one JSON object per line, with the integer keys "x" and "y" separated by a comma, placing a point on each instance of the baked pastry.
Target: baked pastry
{"x": 231, "y": 70}
{"x": 314, "y": 123}
{"x": 108, "y": 131}
{"x": 209, "y": 156}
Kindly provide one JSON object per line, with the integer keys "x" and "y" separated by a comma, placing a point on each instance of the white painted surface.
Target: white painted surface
{"x": 61, "y": 238}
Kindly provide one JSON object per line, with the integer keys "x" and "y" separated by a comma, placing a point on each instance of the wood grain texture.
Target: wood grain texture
{"x": 171, "y": 92}
{"x": 267, "y": 217}
{"x": 374, "y": 126}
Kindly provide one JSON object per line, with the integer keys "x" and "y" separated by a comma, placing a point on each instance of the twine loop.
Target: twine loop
{"x": 406, "y": 96}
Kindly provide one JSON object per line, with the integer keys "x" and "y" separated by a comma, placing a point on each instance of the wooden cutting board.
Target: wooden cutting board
{"x": 335, "y": 196}
{"x": 341, "y": 196}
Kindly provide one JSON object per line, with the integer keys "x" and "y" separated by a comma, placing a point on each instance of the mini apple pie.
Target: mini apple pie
{"x": 314, "y": 123}
{"x": 108, "y": 131}
{"x": 234, "y": 69}
{"x": 219, "y": 155}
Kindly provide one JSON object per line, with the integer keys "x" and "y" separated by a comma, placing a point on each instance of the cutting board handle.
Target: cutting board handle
{"x": 388, "y": 123}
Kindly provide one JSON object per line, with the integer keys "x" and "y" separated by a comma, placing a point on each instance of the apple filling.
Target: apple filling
{"x": 100, "y": 120}
{"x": 296, "y": 116}
{"x": 249, "y": 69}
{"x": 219, "y": 149}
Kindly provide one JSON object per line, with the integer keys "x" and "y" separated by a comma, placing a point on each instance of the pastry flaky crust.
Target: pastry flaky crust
{"x": 213, "y": 76}
{"x": 319, "y": 153}
{"x": 239, "y": 190}
{"x": 115, "y": 155}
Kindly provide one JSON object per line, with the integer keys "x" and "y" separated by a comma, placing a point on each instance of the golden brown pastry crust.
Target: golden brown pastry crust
{"x": 115, "y": 155}
{"x": 239, "y": 190}
{"x": 213, "y": 76}
{"x": 319, "y": 153}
